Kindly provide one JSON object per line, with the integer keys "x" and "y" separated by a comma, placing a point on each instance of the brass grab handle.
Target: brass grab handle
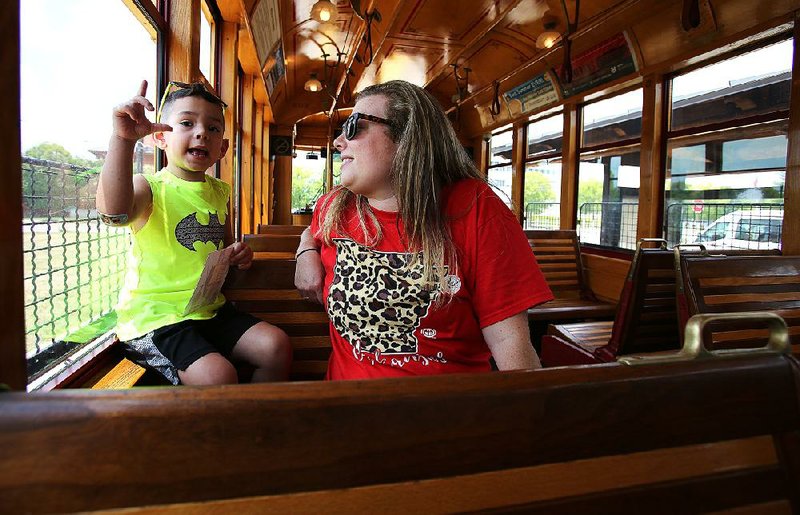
{"x": 693, "y": 347}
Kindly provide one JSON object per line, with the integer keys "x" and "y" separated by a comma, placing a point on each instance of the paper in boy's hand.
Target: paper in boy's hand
{"x": 210, "y": 283}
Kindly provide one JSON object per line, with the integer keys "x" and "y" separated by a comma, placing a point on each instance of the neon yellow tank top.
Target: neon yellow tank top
{"x": 167, "y": 255}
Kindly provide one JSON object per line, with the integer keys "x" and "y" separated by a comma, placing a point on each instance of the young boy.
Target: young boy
{"x": 177, "y": 217}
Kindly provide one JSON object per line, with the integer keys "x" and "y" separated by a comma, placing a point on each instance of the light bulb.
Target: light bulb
{"x": 324, "y": 15}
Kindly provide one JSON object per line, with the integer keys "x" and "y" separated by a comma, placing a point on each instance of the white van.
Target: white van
{"x": 751, "y": 230}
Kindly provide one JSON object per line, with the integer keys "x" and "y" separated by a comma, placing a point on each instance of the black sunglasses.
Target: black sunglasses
{"x": 350, "y": 127}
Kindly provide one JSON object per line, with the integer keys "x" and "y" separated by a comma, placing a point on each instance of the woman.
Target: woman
{"x": 421, "y": 266}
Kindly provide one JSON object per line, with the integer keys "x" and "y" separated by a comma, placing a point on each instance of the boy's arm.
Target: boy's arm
{"x": 123, "y": 199}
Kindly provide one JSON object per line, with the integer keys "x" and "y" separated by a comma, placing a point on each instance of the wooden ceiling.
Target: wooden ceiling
{"x": 420, "y": 40}
{"x": 416, "y": 40}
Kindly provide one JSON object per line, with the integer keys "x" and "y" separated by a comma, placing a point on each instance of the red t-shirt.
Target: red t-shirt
{"x": 383, "y": 323}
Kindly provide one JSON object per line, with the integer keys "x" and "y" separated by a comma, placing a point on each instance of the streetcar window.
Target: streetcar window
{"x": 726, "y": 148}
{"x": 542, "y": 187}
{"x": 73, "y": 264}
{"x": 608, "y": 173}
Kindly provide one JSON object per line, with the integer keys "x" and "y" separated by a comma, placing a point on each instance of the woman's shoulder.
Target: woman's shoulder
{"x": 467, "y": 194}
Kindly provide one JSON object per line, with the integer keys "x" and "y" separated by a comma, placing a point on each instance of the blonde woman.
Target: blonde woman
{"x": 422, "y": 268}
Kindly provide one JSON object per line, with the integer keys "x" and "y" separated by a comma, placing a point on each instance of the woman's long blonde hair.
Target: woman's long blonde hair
{"x": 429, "y": 157}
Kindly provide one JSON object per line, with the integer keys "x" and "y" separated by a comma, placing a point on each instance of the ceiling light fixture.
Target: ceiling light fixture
{"x": 313, "y": 84}
{"x": 324, "y": 11}
{"x": 549, "y": 37}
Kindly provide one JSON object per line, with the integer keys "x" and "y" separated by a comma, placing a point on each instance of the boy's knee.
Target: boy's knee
{"x": 210, "y": 369}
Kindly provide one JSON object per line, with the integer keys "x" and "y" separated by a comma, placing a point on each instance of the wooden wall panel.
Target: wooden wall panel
{"x": 184, "y": 40}
{"x": 229, "y": 35}
{"x": 12, "y": 342}
{"x": 258, "y": 164}
{"x": 248, "y": 165}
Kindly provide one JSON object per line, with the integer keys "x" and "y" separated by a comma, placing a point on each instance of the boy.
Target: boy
{"x": 176, "y": 219}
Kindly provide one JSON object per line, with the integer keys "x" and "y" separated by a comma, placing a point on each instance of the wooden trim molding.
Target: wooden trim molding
{"x": 569, "y": 167}
{"x": 791, "y": 199}
{"x": 12, "y": 343}
{"x": 651, "y": 173}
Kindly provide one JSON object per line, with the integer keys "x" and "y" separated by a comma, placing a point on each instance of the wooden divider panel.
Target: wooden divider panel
{"x": 622, "y": 439}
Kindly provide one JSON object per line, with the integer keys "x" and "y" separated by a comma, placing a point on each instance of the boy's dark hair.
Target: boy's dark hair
{"x": 183, "y": 90}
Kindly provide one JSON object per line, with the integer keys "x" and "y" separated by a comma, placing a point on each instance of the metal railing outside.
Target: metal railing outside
{"x": 608, "y": 224}
{"x": 542, "y": 215}
{"x": 73, "y": 264}
{"x": 725, "y": 225}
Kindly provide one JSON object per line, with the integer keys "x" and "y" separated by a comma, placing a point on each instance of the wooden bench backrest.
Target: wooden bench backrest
{"x": 272, "y": 242}
{"x": 726, "y": 284}
{"x": 267, "y": 291}
{"x": 614, "y": 437}
{"x": 281, "y": 229}
{"x": 647, "y": 320}
{"x": 559, "y": 256}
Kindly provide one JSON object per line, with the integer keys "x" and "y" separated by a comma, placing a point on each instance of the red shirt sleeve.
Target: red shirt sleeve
{"x": 504, "y": 276}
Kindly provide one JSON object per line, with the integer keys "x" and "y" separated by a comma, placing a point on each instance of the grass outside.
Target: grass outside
{"x": 73, "y": 272}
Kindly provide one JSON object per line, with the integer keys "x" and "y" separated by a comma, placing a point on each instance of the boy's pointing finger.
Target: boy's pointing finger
{"x": 143, "y": 89}
{"x": 161, "y": 127}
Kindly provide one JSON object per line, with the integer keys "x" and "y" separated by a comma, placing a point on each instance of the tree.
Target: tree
{"x": 307, "y": 182}
{"x": 538, "y": 188}
{"x": 590, "y": 191}
{"x": 53, "y": 189}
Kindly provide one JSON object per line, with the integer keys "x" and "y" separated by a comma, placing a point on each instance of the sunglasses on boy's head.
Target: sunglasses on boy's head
{"x": 175, "y": 86}
{"x": 350, "y": 127}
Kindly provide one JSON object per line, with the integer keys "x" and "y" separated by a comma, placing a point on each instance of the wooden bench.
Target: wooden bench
{"x": 272, "y": 246}
{"x": 559, "y": 256}
{"x": 267, "y": 291}
{"x": 709, "y": 435}
{"x": 725, "y": 284}
{"x": 281, "y": 229}
{"x": 646, "y": 320}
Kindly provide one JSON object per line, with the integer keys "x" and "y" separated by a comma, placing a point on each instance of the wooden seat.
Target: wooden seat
{"x": 559, "y": 257}
{"x": 687, "y": 437}
{"x": 286, "y": 243}
{"x": 281, "y": 229}
{"x": 646, "y": 321}
{"x": 267, "y": 291}
{"x": 736, "y": 283}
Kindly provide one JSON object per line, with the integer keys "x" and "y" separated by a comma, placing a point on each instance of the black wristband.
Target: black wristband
{"x": 305, "y": 250}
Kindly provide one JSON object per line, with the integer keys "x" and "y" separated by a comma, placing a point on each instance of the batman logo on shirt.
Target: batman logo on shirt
{"x": 190, "y": 230}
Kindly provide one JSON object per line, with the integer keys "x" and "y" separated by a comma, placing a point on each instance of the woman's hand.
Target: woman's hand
{"x": 309, "y": 274}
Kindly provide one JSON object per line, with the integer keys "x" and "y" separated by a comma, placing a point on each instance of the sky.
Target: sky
{"x": 79, "y": 59}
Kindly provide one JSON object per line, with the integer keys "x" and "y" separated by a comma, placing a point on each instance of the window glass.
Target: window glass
{"x": 545, "y": 136}
{"x": 543, "y": 194}
{"x": 712, "y": 175}
{"x": 612, "y": 120}
{"x": 500, "y": 148}
{"x": 608, "y": 197}
{"x": 308, "y": 179}
{"x": 73, "y": 263}
{"x": 206, "y": 43}
{"x": 750, "y": 84}
{"x": 500, "y": 180}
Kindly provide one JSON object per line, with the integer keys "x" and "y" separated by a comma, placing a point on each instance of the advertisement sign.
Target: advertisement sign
{"x": 603, "y": 63}
{"x": 537, "y": 92}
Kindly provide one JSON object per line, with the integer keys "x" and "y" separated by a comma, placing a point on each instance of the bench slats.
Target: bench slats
{"x": 612, "y": 438}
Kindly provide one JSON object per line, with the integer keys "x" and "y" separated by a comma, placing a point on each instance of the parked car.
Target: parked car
{"x": 752, "y": 230}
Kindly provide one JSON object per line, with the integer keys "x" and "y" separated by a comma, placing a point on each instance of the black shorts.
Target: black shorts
{"x": 175, "y": 347}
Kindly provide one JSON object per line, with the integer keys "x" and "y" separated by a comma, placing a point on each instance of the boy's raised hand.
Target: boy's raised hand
{"x": 130, "y": 121}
